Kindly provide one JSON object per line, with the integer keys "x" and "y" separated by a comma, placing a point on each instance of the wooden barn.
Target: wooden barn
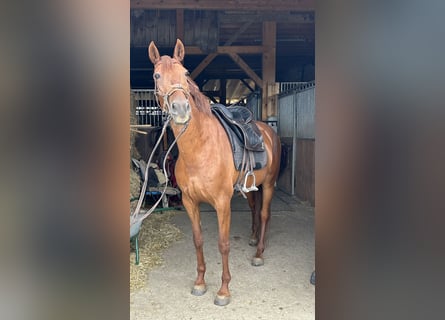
{"x": 254, "y": 53}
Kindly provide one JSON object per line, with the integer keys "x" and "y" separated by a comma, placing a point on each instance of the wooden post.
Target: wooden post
{"x": 180, "y": 24}
{"x": 272, "y": 102}
{"x": 268, "y": 62}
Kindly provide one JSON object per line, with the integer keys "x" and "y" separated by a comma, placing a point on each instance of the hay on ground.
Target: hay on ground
{"x": 157, "y": 234}
{"x": 135, "y": 184}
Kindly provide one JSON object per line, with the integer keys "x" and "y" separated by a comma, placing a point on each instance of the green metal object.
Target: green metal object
{"x": 135, "y": 242}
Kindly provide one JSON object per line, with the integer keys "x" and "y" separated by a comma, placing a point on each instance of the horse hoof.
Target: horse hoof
{"x": 221, "y": 300}
{"x": 256, "y": 262}
{"x": 253, "y": 242}
{"x": 199, "y": 290}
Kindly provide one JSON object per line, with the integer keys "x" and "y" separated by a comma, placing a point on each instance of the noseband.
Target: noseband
{"x": 174, "y": 88}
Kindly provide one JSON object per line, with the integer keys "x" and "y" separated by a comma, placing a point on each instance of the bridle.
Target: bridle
{"x": 166, "y": 96}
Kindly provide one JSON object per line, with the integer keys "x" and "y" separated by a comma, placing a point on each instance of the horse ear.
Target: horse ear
{"x": 179, "y": 51}
{"x": 153, "y": 53}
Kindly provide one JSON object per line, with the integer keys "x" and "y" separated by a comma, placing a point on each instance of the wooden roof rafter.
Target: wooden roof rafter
{"x": 212, "y": 56}
{"x": 277, "y": 5}
{"x": 261, "y": 16}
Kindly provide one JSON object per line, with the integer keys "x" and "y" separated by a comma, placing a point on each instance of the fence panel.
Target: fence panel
{"x": 306, "y": 114}
{"x": 296, "y": 128}
{"x": 286, "y": 115}
{"x": 147, "y": 110}
{"x": 295, "y": 86}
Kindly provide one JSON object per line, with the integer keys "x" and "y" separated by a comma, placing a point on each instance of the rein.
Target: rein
{"x": 135, "y": 218}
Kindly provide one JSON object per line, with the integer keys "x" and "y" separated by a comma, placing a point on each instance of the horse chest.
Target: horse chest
{"x": 203, "y": 180}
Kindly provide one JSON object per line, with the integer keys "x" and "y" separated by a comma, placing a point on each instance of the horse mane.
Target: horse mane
{"x": 201, "y": 101}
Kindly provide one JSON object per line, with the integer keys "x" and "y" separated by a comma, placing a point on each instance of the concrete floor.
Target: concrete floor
{"x": 278, "y": 290}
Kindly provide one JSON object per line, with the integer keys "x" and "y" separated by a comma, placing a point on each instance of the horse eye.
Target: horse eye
{"x": 187, "y": 74}
{"x": 156, "y": 76}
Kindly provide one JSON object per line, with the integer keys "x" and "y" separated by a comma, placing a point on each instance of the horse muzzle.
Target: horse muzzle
{"x": 180, "y": 111}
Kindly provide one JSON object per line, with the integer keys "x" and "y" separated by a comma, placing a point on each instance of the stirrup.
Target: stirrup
{"x": 253, "y": 186}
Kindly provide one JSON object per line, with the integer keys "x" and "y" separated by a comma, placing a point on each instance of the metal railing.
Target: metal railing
{"x": 288, "y": 86}
{"x": 146, "y": 109}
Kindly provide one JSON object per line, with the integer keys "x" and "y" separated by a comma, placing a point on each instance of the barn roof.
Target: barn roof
{"x": 233, "y": 31}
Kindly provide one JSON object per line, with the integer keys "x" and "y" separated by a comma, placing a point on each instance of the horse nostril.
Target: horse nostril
{"x": 187, "y": 105}
{"x": 174, "y": 106}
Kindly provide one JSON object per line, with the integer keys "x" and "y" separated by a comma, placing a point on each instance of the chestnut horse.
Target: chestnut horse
{"x": 205, "y": 170}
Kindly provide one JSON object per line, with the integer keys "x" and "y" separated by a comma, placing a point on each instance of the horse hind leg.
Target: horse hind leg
{"x": 254, "y": 199}
{"x": 267, "y": 194}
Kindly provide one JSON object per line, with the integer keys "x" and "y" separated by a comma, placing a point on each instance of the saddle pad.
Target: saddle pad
{"x": 260, "y": 157}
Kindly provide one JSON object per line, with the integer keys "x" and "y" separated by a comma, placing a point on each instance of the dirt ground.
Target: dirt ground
{"x": 278, "y": 290}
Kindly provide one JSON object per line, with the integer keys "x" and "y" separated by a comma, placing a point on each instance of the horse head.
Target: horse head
{"x": 171, "y": 83}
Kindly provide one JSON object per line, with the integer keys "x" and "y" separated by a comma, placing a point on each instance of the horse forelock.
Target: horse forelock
{"x": 166, "y": 61}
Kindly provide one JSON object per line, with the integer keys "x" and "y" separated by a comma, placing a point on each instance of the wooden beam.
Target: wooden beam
{"x": 227, "y": 49}
{"x": 223, "y": 91}
{"x": 247, "y": 85}
{"x": 289, "y": 50}
{"x": 255, "y": 5}
{"x": 211, "y": 56}
{"x": 269, "y": 68}
{"x": 238, "y": 33}
{"x": 180, "y": 24}
{"x": 269, "y": 47}
{"x": 243, "y": 65}
{"x": 282, "y": 17}
{"x": 240, "y": 49}
{"x": 212, "y": 93}
{"x": 204, "y": 63}
{"x": 212, "y": 98}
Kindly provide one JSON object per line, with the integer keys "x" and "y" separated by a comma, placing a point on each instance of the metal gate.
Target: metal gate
{"x": 296, "y": 128}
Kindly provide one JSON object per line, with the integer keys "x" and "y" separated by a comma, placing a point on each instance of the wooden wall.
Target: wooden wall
{"x": 304, "y": 176}
{"x": 160, "y": 26}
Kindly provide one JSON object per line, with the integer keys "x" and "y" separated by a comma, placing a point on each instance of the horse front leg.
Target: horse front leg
{"x": 192, "y": 209}
{"x": 223, "y": 295}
